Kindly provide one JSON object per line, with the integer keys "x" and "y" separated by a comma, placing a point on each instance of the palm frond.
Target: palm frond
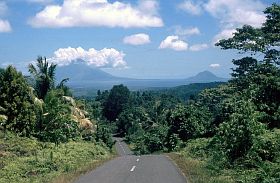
{"x": 33, "y": 70}
{"x": 62, "y": 83}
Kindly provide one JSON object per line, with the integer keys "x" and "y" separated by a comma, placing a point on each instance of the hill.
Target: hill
{"x": 205, "y": 77}
{"x": 84, "y": 78}
{"x": 184, "y": 92}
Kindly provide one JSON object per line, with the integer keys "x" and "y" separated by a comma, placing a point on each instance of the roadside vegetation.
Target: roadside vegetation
{"x": 226, "y": 133}
{"x": 45, "y": 134}
{"x": 219, "y": 132}
{"x": 25, "y": 159}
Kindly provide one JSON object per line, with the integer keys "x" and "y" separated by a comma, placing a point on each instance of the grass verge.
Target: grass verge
{"x": 195, "y": 170}
{"x": 28, "y": 160}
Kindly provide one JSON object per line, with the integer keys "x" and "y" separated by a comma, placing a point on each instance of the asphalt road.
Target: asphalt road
{"x": 128, "y": 168}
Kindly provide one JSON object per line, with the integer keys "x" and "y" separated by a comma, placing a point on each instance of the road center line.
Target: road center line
{"x": 132, "y": 169}
{"x": 122, "y": 147}
{"x": 137, "y": 160}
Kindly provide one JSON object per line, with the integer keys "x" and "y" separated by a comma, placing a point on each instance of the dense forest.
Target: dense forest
{"x": 233, "y": 127}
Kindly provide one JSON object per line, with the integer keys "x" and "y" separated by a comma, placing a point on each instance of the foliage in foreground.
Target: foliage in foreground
{"x": 28, "y": 160}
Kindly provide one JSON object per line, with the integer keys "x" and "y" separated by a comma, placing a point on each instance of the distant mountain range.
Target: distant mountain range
{"x": 83, "y": 76}
{"x": 204, "y": 77}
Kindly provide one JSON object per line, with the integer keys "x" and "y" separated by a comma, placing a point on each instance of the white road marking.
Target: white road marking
{"x": 137, "y": 160}
{"x": 122, "y": 147}
{"x": 132, "y": 169}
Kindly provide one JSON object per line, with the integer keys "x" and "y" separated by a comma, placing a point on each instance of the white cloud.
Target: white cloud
{"x": 198, "y": 47}
{"x": 5, "y": 26}
{"x": 190, "y": 7}
{"x": 235, "y": 13}
{"x": 214, "y": 65}
{"x": 187, "y": 31}
{"x": 106, "y": 58}
{"x": 98, "y": 13}
{"x": 148, "y": 6}
{"x": 224, "y": 34}
{"x": 137, "y": 39}
{"x": 173, "y": 42}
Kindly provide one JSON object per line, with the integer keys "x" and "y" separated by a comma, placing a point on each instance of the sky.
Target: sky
{"x": 128, "y": 38}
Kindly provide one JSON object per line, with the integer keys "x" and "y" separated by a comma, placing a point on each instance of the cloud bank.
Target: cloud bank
{"x": 105, "y": 58}
{"x": 85, "y": 13}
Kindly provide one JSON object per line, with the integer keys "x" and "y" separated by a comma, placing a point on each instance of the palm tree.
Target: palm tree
{"x": 44, "y": 76}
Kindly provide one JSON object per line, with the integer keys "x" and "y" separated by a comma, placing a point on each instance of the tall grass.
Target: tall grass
{"x": 28, "y": 160}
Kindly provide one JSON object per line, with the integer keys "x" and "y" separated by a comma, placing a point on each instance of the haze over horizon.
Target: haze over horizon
{"x": 156, "y": 39}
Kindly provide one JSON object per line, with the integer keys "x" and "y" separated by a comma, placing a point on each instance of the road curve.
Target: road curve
{"x": 128, "y": 168}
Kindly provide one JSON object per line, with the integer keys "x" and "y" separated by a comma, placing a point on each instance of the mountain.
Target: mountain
{"x": 205, "y": 77}
{"x": 78, "y": 72}
{"x": 84, "y": 76}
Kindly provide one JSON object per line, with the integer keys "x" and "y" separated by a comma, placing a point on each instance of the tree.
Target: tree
{"x": 189, "y": 121}
{"x": 235, "y": 137}
{"x": 259, "y": 80}
{"x": 66, "y": 90}
{"x": 264, "y": 40}
{"x": 16, "y": 102}
{"x": 2, "y": 70}
{"x": 116, "y": 102}
{"x": 44, "y": 76}
{"x": 57, "y": 125}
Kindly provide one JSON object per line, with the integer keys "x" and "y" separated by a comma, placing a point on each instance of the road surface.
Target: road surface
{"x": 128, "y": 168}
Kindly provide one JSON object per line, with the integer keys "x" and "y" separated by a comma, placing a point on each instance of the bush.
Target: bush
{"x": 104, "y": 134}
{"x": 56, "y": 123}
{"x": 16, "y": 104}
{"x": 266, "y": 147}
{"x": 236, "y": 136}
{"x": 189, "y": 122}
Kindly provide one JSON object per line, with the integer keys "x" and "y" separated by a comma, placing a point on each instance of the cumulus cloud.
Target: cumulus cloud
{"x": 198, "y": 47}
{"x": 137, "y": 39}
{"x": 186, "y": 31}
{"x": 224, "y": 34}
{"x": 190, "y": 7}
{"x": 214, "y": 65}
{"x": 233, "y": 13}
{"x": 98, "y": 13}
{"x": 105, "y": 58}
{"x": 173, "y": 42}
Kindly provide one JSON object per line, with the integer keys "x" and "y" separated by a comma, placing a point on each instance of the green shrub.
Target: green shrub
{"x": 56, "y": 124}
{"x": 189, "y": 121}
{"x": 235, "y": 137}
{"x": 266, "y": 146}
{"x": 104, "y": 134}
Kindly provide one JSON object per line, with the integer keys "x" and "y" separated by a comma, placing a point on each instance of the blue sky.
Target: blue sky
{"x": 128, "y": 38}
